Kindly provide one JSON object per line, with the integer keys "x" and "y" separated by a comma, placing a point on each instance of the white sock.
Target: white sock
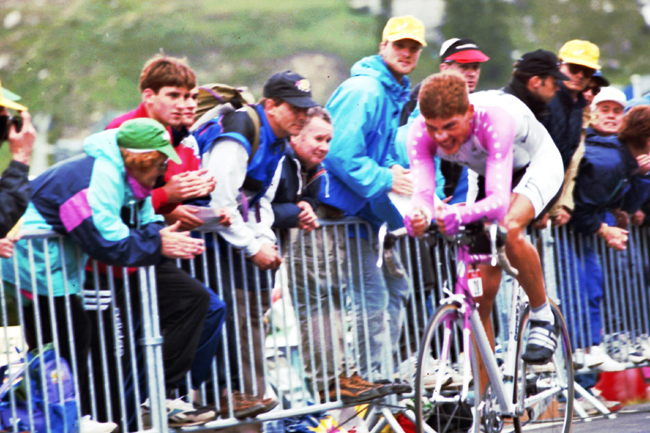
{"x": 543, "y": 313}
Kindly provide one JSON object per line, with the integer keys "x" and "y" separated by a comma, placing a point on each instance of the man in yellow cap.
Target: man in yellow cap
{"x": 579, "y": 62}
{"x": 14, "y": 185}
{"x": 362, "y": 169}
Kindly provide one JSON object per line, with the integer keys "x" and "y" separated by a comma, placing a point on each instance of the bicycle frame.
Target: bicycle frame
{"x": 502, "y": 385}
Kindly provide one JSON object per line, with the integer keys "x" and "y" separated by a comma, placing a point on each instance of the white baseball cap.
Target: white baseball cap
{"x": 609, "y": 94}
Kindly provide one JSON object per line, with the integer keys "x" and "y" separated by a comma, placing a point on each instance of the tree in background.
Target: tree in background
{"x": 617, "y": 27}
{"x": 484, "y": 21}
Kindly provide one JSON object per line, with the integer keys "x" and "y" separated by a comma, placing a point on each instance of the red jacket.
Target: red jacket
{"x": 189, "y": 157}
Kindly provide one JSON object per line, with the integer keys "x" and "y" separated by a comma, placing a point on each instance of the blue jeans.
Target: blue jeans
{"x": 376, "y": 292}
{"x": 581, "y": 301}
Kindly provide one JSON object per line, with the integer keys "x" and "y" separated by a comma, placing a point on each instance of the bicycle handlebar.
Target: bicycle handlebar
{"x": 467, "y": 234}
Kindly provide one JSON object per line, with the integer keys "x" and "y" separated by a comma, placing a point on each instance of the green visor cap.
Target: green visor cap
{"x": 146, "y": 135}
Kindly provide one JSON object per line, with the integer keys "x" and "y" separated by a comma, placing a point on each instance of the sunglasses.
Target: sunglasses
{"x": 594, "y": 90}
{"x": 575, "y": 69}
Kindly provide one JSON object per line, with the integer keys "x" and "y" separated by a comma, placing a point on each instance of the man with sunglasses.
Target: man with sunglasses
{"x": 594, "y": 87}
{"x": 579, "y": 62}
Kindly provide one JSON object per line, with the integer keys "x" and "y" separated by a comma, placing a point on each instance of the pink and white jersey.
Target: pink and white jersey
{"x": 505, "y": 136}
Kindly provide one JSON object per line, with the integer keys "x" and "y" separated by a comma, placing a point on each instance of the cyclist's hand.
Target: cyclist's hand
{"x": 448, "y": 219}
{"x": 416, "y": 224}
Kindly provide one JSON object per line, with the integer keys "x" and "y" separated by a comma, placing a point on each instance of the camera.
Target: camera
{"x": 5, "y": 125}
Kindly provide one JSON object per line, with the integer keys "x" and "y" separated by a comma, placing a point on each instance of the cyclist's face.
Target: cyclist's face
{"x": 471, "y": 72}
{"x": 452, "y": 132}
{"x": 608, "y": 116}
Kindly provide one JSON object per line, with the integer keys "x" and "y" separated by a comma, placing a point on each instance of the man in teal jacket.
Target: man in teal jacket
{"x": 362, "y": 170}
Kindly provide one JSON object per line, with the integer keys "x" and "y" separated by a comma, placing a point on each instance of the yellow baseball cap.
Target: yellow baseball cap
{"x": 8, "y": 98}
{"x": 406, "y": 27}
{"x": 580, "y": 53}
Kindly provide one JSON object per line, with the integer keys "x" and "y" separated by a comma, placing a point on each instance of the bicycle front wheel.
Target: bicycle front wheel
{"x": 440, "y": 375}
{"x": 545, "y": 392}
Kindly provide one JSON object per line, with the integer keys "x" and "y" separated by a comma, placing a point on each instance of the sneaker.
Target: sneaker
{"x": 611, "y": 405}
{"x": 181, "y": 413}
{"x": 645, "y": 346}
{"x": 87, "y": 425}
{"x": 578, "y": 359}
{"x": 352, "y": 390}
{"x": 408, "y": 368}
{"x": 542, "y": 342}
{"x": 597, "y": 354}
{"x": 245, "y": 406}
{"x": 636, "y": 355}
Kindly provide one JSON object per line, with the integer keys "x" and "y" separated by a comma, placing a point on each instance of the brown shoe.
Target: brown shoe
{"x": 351, "y": 391}
{"x": 268, "y": 403}
{"x": 245, "y": 406}
{"x": 383, "y": 389}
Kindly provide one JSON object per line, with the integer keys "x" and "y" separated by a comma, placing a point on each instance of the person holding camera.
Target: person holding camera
{"x": 14, "y": 185}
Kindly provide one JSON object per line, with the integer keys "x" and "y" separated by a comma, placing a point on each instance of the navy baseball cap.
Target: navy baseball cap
{"x": 290, "y": 87}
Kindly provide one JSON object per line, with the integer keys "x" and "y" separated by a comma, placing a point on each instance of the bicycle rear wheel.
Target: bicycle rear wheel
{"x": 441, "y": 406}
{"x": 534, "y": 382}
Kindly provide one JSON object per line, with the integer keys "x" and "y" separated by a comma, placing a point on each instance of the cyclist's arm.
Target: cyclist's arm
{"x": 496, "y": 132}
{"x": 421, "y": 150}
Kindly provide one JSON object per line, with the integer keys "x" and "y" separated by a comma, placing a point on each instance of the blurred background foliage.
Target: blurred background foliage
{"x": 78, "y": 61}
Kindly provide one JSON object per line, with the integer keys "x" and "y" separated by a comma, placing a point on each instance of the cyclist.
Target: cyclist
{"x": 520, "y": 173}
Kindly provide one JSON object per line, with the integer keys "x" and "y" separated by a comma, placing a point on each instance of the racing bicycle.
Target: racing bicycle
{"x": 449, "y": 397}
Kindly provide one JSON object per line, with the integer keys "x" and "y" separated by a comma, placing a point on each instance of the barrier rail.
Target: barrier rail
{"x": 332, "y": 318}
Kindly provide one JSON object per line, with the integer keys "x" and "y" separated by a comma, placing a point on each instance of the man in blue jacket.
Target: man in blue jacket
{"x": 612, "y": 168}
{"x": 362, "y": 164}
{"x": 244, "y": 173}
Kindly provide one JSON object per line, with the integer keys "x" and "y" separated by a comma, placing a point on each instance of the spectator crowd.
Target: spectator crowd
{"x": 258, "y": 177}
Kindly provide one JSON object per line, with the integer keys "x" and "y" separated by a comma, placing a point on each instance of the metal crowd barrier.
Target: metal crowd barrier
{"x": 305, "y": 343}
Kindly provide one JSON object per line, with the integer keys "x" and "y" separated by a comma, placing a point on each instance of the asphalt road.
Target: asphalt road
{"x": 635, "y": 418}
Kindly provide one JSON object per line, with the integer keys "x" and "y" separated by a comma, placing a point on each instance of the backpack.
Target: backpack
{"x": 217, "y": 99}
{"x": 62, "y": 415}
{"x": 226, "y": 111}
